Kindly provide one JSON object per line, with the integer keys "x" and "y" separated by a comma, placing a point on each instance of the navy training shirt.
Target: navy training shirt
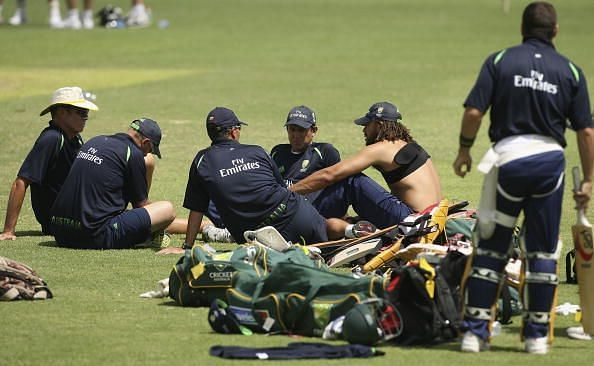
{"x": 241, "y": 180}
{"x": 532, "y": 89}
{"x": 295, "y": 167}
{"x": 47, "y": 166}
{"x": 108, "y": 173}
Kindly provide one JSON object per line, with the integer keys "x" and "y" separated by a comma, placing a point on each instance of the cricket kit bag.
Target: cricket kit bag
{"x": 201, "y": 276}
{"x": 294, "y": 299}
{"x": 427, "y": 299}
{"x": 18, "y": 281}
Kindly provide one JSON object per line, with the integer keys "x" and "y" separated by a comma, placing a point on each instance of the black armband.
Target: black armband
{"x": 186, "y": 246}
{"x": 466, "y": 142}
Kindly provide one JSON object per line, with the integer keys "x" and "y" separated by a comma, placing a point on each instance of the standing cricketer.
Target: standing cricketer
{"x": 532, "y": 90}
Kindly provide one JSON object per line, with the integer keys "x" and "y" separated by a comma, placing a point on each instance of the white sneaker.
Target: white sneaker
{"x": 139, "y": 16}
{"x": 56, "y": 22}
{"x": 538, "y": 346}
{"x": 19, "y": 18}
{"x": 87, "y": 20}
{"x": 73, "y": 20}
{"x": 211, "y": 233}
{"x": 473, "y": 343}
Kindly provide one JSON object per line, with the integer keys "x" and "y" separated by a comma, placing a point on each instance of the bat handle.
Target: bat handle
{"x": 581, "y": 215}
{"x": 384, "y": 257}
{"x": 575, "y": 173}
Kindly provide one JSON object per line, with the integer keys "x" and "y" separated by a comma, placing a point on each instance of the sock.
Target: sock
{"x": 73, "y": 13}
{"x": 348, "y": 231}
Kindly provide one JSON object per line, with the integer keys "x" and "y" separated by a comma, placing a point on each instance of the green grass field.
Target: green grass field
{"x": 259, "y": 58}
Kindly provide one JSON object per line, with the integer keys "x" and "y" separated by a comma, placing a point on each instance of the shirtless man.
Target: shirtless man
{"x": 404, "y": 164}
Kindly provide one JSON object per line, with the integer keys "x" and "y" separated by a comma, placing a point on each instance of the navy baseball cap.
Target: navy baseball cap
{"x": 385, "y": 111}
{"x": 301, "y": 116}
{"x": 149, "y": 129}
{"x": 223, "y": 118}
{"x": 222, "y": 319}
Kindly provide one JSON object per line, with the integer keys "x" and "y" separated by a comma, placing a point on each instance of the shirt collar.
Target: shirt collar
{"x": 538, "y": 41}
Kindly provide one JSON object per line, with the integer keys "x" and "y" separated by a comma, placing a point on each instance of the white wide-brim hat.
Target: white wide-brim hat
{"x": 71, "y": 95}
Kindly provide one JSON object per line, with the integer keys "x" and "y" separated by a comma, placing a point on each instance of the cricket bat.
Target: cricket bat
{"x": 582, "y": 241}
{"x": 355, "y": 252}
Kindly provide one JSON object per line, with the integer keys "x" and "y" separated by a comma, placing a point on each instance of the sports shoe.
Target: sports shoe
{"x": 538, "y": 346}
{"x": 139, "y": 16}
{"x": 211, "y": 233}
{"x": 19, "y": 18}
{"x": 87, "y": 19}
{"x": 56, "y": 22}
{"x": 159, "y": 240}
{"x": 473, "y": 343}
{"x": 73, "y": 21}
{"x": 361, "y": 229}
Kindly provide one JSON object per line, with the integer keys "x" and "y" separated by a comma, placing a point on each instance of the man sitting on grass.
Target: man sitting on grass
{"x": 46, "y": 166}
{"x": 108, "y": 173}
{"x": 404, "y": 164}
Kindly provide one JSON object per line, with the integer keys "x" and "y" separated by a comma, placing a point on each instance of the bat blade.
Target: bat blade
{"x": 582, "y": 241}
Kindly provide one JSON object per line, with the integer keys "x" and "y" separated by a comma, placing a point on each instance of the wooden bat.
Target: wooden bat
{"x": 582, "y": 241}
{"x": 355, "y": 252}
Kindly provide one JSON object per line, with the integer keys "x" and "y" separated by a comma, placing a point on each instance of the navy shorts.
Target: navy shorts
{"x": 304, "y": 224}
{"x": 123, "y": 231}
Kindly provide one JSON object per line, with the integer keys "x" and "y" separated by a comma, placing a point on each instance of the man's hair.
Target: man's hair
{"x": 393, "y": 131}
{"x": 217, "y": 133}
{"x": 539, "y": 20}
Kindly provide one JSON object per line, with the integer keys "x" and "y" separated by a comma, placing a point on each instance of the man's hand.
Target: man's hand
{"x": 463, "y": 162}
{"x": 582, "y": 197}
{"x": 8, "y": 235}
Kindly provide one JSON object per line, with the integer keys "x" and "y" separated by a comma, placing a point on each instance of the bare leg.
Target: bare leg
{"x": 161, "y": 213}
{"x": 149, "y": 163}
{"x": 335, "y": 228}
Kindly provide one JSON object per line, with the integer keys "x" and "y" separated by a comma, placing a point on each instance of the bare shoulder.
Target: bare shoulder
{"x": 383, "y": 152}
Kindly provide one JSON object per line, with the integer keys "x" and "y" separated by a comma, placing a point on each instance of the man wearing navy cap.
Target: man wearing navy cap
{"x": 404, "y": 164}
{"x": 46, "y": 166}
{"x": 108, "y": 173}
{"x": 302, "y": 157}
{"x": 246, "y": 187}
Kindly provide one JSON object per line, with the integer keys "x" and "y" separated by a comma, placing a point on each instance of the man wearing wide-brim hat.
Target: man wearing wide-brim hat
{"x": 46, "y": 166}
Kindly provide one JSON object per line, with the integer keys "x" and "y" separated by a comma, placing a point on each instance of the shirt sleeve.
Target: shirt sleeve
{"x": 331, "y": 156}
{"x": 42, "y": 157}
{"x": 135, "y": 185}
{"x": 196, "y": 197}
{"x": 481, "y": 94}
{"x": 580, "y": 115}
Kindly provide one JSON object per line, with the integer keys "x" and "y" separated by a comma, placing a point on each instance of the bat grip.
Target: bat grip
{"x": 575, "y": 173}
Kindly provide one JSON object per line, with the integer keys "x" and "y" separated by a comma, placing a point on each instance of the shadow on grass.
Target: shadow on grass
{"x": 170, "y": 303}
{"x": 50, "y": 244}
{"x": 30, "y": 233}
{"x": 455, "y": 347}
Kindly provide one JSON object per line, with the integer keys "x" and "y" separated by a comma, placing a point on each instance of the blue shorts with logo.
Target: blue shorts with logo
{"x": 123, "y": 231}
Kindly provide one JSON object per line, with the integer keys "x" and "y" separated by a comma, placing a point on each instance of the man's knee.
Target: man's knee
{"x": 161, "y": 213}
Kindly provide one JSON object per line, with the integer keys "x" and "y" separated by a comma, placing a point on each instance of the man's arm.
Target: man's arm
{"x": 585, "y": 142}
{"x": 471, "y": 122}
{"x": 194, "y": 221}
{"x": 327, "y": 176}
{"x": 15, "y": 202}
